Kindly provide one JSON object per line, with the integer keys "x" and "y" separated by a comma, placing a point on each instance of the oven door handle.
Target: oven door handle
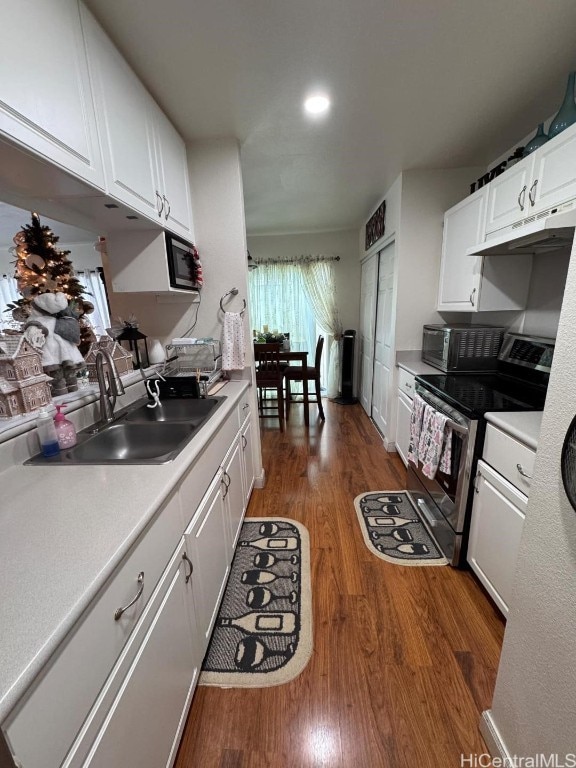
{"x": 433, "y": 518}
{"x": 450, "y": 422}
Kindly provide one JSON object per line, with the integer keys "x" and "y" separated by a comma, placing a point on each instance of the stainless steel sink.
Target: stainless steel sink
{"x": 140, "y": 435}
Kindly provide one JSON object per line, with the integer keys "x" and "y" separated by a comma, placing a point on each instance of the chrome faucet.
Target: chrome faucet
{"x": 109, "y": 384}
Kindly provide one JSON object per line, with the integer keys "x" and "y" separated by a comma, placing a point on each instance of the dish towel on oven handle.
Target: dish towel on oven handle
{"x": 233, "y": 344}
{"x": 416, "y": 415}
{"x": 435, "y": 445}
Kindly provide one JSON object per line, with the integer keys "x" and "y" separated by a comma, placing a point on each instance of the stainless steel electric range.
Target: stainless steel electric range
{"x": 520, "y": 384}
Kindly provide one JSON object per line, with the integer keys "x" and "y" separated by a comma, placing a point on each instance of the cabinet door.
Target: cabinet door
{"x": 495, "y": 531}
{"x": 508, "y": 196}
{"x": 125, "y": 124}
{"x": 172, "y": 175}
{"x": 460, "y": 274}
{"x": 144, "y": 724}
{"x": 384, "y": 341}
{"x": 45, "y": 96}
{"x": 207, "y": 539}
{"x": 233, "y": 494}
{"x": 367, "y": 320}
{"x": 403, "y": 415}
{"x": 247, "y": 460}
{"x": 554, "y": 175}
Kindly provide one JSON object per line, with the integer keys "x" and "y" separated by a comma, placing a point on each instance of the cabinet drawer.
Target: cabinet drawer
{"x": 508, "y": 456}
{"x": 39, "y": 732}
{"x": 406, "y": 382}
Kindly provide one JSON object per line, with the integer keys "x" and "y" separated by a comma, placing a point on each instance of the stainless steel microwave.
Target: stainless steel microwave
{"x": 462, "y": 347}
{"x": 180, "y": 255}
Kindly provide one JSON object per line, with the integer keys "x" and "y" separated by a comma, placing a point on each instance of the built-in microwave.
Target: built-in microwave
{"x": 180, "y": 255}
{"x": 462, "y": 347}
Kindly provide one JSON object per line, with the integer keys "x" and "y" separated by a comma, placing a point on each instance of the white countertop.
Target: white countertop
{"x": 411, "y": 361}
{"x": 523, "y": 425}
{"x": 63, "y": 530}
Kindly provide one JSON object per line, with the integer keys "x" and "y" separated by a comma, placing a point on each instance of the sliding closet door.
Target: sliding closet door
{"x": 366, "y": 336}
{"x": 384, "y": 343}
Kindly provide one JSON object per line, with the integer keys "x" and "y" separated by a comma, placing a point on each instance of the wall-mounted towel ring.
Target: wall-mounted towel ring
{"x": 233, "y": 292}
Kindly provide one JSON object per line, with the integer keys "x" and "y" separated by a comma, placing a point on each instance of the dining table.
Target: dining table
{"x": 299, "y": 354}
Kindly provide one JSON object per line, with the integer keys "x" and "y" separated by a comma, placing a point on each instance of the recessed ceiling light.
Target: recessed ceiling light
{"x": 317, "y": 104}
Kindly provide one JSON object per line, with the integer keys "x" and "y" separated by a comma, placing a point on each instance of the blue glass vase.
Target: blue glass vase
{"x": 567, "y": 114}
{"x": 536, "y": 141}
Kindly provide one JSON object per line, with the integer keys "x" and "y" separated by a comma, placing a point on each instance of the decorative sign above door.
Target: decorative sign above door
{"x": 375, "y": 225}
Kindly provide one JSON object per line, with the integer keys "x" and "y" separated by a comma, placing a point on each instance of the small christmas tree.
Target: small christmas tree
{"x": 41, "y": 267}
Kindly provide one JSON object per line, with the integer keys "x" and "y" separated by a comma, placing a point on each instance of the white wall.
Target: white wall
{"x": 343, "y": 243}
{"x": 534, "y": 708}
{"x": 547, "y": 285}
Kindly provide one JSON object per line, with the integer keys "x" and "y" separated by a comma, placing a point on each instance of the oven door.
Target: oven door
{"x": 443, "y": 501}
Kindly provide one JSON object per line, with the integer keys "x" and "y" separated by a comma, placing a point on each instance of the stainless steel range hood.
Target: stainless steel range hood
{"x": 549, "y": 232}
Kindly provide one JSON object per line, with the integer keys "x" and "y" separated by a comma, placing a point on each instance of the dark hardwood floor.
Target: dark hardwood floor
{"x": 404, "y": 658}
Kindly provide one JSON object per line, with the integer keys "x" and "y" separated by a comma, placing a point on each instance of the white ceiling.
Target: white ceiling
{"x": 414, "y": 84}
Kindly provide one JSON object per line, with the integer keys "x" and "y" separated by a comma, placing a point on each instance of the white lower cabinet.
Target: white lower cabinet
{"x": 403, "y": 414}
{"x": 117, "y": 690}
{"x": 497, "y": 522}
{"x": 155, "y": 680}
{"x": 234, "y": 501}
{"x": 207, "y": 539}
{"x": 247, "y": 460}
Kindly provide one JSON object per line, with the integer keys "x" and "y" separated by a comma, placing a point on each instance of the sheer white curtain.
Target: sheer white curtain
{"x": 278, "y": 300}
{"x": 95, "y": 294}
{"x": 8, "y": 294}
{"x": 320, "y": 288}
{"x": 299, "y": 296}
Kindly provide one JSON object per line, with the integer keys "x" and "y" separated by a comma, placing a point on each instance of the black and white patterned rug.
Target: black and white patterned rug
{"x": 263, "y": 633}
{"x": 393, "y": 531}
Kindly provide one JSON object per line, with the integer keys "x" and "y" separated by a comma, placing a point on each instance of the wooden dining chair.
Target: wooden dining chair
{"x": 308, "y": 373}
{"x": 269, "y": 375}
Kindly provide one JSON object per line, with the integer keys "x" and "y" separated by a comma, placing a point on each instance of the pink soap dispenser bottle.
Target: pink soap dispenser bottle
{"x": 65, "y": 430}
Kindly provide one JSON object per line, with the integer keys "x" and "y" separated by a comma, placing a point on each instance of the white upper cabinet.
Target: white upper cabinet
{"x": 476, "y": 283}
{"x": 537, "y": 184}
{"x": 144, "y": 156}
{"x": 45, "y": 96}
{"x": 172, "y": 165}
{"x": 508, "y": 196}
{"x": 463, "y": 227}
{"x": 554, "y": 173}
{"x": 124, "y": 123}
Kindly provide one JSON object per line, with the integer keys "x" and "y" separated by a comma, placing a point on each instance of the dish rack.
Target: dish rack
{"x": 187, "y": 358}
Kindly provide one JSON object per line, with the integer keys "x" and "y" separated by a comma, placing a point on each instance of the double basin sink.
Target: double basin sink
{"x": 140, "y": 434}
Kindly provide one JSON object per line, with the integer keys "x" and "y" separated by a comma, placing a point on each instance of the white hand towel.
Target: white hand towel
{"x": 233, "y": 343}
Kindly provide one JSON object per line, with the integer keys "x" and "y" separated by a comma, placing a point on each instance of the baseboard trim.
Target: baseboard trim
{"x": 493, "y": 738}
{"x": 260, "y": 480}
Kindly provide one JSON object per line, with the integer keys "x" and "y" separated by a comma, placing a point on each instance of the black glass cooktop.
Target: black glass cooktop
{"x": 478, "y": 394}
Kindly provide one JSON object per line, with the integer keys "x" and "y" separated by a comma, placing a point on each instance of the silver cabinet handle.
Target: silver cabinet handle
{"x": 167, "y": 206}
{"x": 120, "y": 611}
{"x": 160, "y": 203}
{"x": 244, "y": 442}
{"x": 520, "y": 469}
{"x": 522, "y": 196}
{"x": 226, "y": 480}
{"x": 408, "y": 386}
{"x": 533, "y": 189}
{"x": 246, "y": 405}
{"x": 472, "y": 296}
{"x": 187, "y": 560}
